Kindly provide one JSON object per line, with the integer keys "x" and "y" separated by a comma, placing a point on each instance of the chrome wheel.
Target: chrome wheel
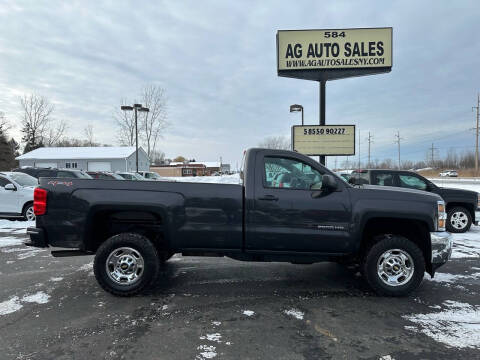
{"x": 459, "y": 220}
{"x": 395, "y": 267}
{"x": 29, "y": 214}
{"x": 125, "y": 266}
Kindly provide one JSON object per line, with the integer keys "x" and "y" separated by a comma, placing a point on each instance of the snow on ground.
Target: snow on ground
{"x": 465, "y": 184}
{"x": 15, "y": 303}
{"x": 467, "y": 245}
{"x": 7, "y": 241}
{"x": 15, "y": 224}
{"x": 297, "y": 314}
{"x": 248, "y": 313}
{"x": 457, "y": 325}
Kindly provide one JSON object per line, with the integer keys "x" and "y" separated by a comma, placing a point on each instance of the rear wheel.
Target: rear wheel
{"x": 28, "y": 213}
{"x": 126, "y": 264}
{"x": 394, "y": 266}
{"x": 459, "y": 220}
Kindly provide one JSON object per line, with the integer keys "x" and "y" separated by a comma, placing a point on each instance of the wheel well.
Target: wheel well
{"x": 107, "y": 223}
{"x": 25, "y": 206}
{"x": 467, "y": 206}
{"x": 414, "y": 230}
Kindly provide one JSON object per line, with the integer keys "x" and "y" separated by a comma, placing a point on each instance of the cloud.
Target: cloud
{"x": 217, "y": 63}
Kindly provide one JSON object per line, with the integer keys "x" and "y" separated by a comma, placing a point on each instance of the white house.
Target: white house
{"x": 120, "y": 158}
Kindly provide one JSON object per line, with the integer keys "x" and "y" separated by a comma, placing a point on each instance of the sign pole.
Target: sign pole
{"x": 322, "y": 84}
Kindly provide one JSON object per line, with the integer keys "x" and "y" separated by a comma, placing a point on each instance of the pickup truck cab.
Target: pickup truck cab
{"x": 288, "y": 208}
{"x": 462, "y": 205}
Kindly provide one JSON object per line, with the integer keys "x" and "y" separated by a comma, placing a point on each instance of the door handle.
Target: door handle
{"x": 268, "y": 198}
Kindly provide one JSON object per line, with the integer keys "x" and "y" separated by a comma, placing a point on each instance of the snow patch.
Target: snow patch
{"x": 248, "y": 313}
{"x": 207, "y": 353}
{"x": 451, "y": 278}
{"x": 10, "y": 306}
{"x": 216, "y": 337}
{"x": 86, "y": 267}
{"x": 7, "y": 241}
{"x": 456, "y": 326}
{"x": 216, "y": 323}
{"x": 224, "y": 179}
{"x": 39, "y": 298}
{"x": 295, "y": 313}
{"x": 27, "y": 254}
{"x": 56, "y": 279}
{"x": 7, "y": 224}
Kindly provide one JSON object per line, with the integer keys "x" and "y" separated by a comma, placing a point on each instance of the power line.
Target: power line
{"x": 432, "y": 149}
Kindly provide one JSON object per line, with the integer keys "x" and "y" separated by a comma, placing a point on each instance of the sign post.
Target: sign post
{"x": 331, "y": 54}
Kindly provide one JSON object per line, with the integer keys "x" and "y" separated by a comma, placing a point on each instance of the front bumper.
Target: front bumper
{"x": 37, "y": 237}
{"x": 477, "y": 217}
{"x": 442, "y": 243}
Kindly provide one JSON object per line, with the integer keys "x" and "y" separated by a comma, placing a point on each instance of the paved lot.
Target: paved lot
{"x": 224, "y": 309}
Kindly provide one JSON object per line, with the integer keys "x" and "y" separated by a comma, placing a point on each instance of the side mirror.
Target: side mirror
{"x": 329, "y": 183}
{"x": 11, "y": 187}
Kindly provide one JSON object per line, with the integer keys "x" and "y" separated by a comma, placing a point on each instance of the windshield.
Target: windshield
{"x": 24, "y": 179}
{"x": 152, "y": 175}
{"x": 138, "y": 176}
{"x": 83, "y": 175}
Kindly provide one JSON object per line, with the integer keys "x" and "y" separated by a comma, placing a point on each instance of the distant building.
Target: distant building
{"x": 120, "y": 158}
{"x": 197, "y": 168}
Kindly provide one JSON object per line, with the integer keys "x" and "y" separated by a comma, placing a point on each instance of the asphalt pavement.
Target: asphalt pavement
{"x": 217, "y": 308}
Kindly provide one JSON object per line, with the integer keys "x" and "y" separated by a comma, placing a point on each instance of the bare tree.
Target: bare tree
{"x": 37, "y": 112}
{"x": 126, "y": 125}
{"x": 4, "y": 124}
{"x": 89, "y": 135}
{"x": 54, "y": 133}
{"x": 276, "y": 142}
{"x": 154, "y": 122}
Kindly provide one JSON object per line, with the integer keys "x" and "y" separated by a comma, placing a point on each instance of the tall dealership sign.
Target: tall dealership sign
{"x": 322, "y": 55}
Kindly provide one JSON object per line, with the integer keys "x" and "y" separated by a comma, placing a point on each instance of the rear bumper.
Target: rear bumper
{"x": 442, "y": 243}
{"x": 37, "y": 237}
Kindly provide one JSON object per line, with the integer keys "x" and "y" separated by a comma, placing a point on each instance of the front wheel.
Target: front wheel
{"x": 394, "y": 266}
{"x": 459, "y": 220}
{"x": 126, "y": 264}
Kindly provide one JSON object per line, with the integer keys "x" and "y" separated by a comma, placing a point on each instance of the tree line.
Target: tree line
{"x": 40, "y": 128}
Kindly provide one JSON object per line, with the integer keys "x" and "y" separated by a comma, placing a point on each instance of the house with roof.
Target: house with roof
{"x": 107, "y": 158}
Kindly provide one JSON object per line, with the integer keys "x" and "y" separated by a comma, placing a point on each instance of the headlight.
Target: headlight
{"x": 441, "y": 215}
{"x": 478, "y": 200}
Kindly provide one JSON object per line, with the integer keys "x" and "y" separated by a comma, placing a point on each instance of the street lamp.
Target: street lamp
{"x": 135, "y": 107}
{"x": 297, "y": 108}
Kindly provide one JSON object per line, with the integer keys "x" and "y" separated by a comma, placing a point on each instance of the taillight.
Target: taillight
{"x": 39, "y": 201}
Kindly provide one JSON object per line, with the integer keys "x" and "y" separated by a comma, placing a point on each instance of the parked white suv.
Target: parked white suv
{"x": 16, "y": 195}
{"x": 152, "y": 176}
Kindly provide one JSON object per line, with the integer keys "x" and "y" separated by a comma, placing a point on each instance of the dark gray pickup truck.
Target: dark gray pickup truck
{"x": 289, "y": 208}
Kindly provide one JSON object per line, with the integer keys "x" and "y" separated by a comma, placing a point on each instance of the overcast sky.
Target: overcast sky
{"x": 217, "y": 63}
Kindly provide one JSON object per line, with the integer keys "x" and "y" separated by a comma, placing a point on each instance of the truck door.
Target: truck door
{"x": 285, "y": 217}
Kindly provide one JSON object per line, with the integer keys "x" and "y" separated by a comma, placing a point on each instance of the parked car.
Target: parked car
{"x": 395, "y": 234}
{"x": 449, "y": 173}
{"x": 104, "y": 175}
{"x": 131, "y": 176}
{"x": 53, "y": 173}
{"x": 463, "y": 206}
{"x": 149, "y": 175}
{"x": 344, "y": 175}
{"x": 16, "y": 195}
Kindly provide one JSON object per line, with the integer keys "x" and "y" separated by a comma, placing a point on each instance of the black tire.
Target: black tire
{"x": 463, "y": 220}
{"x": 25, "y": 213}
{"x": 144, "y": 247}
{"x": 376, "y": 251}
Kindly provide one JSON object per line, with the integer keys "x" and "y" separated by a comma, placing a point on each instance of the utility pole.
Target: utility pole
{"x": 370, "y": 140}
{"x": 432, "y": 149}
{"x": 359, "y": 149}
{"x": 397, "y": 135}
{"x": 476, "y": 136}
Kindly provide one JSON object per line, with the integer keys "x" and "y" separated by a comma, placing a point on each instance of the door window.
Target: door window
{"x": 412, "y": 182}
{"x": 290, "y": 173}
{"x": 3, "y": 182}
{"x": 383, "y": 179}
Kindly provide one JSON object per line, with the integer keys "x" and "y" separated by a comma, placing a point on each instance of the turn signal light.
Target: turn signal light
{"x": 441, "y": 215}
{"x": 39, "y": 201}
